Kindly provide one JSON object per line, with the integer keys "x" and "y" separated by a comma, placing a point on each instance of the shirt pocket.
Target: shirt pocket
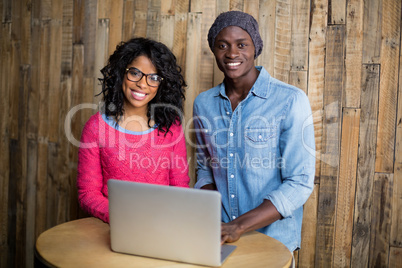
{"x": 261, "y": 137}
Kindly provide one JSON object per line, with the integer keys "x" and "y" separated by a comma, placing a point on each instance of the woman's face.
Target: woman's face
{"x": 138, "y": 94}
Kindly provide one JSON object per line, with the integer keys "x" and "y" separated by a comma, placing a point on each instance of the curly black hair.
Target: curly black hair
{"x": 166, "y": 108}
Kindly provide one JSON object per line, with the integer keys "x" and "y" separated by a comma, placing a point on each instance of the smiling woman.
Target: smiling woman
{"x": 137, "y": 136}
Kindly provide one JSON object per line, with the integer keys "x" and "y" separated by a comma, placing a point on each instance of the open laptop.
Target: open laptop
{"x": 172, "y": 223}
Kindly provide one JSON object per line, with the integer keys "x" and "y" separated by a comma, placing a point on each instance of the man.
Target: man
{"x": 254, "y": 135}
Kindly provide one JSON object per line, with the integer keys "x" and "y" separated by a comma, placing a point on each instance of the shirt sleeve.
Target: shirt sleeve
{"x": 204, "y": 170}
{"x": 178, "y": 174}
{"x": 297, "y": 146}
{"x": 89, "y": 173}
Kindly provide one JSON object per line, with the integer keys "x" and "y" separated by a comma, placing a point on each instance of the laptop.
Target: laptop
{"x": 164, "y": 222}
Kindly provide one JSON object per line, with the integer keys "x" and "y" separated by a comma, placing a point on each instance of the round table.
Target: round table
{"x": 86, "y": 243}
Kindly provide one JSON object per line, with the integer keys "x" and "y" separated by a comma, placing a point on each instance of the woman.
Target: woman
{"x": 137, "y": 136}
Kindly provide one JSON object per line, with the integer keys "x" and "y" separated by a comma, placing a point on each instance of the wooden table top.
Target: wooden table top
{"x": 86, "y": 243}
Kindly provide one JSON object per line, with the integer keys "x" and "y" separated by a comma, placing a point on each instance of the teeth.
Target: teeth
{"x": 234, "y": 64}
{"x": 138, "y": 94}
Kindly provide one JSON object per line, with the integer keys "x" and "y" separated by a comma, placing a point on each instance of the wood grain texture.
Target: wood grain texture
{"x": 346, "y": 187}
{"x": 365, "y": 170}
{"x": 316, "y": 73}
{"x": 306, "y": 254}
{"x": 267, "y": 33}
{"x": 4, "y": 143}
{"x": 354, "y": 53}
{"x": 372, "y": 21}
{"x": 381, "y": 222}
{"x": 283, "y": 37}
{"x": 337, "y": 12}
{"x": 396, "y": 226}
{"x": 390, "y": 44}
{"x": 193, "y": 55}
{"x": 331, "y": 144}
{"x": 300, "y": 35}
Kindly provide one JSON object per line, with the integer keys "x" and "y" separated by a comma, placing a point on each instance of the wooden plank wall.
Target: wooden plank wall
{"x": 345, "y": 54}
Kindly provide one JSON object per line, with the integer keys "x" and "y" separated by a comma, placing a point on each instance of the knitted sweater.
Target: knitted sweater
{"x": 111, "y": 152}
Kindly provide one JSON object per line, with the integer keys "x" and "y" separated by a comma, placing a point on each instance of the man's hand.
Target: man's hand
{"x": 230, "y": 232}
{"x": 261, "y": 216}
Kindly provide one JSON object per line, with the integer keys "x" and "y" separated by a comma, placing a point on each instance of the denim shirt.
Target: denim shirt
{"x": 264, "y": 149}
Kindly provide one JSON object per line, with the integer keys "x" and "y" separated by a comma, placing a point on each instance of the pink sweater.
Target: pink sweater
{"x": 109, "y": 153}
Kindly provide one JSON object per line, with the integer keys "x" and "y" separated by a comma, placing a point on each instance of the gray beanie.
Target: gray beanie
{"x": 240, "y": 19}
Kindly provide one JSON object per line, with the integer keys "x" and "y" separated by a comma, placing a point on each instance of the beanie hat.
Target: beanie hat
{"x": 240, "y": 19}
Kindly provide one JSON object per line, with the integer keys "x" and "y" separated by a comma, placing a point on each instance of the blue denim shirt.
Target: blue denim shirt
{"x": 264, "y": 149}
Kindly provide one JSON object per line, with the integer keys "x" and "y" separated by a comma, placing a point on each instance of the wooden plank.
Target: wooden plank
{"x": 268, "y": 18}
{"x": 7, "y": 9}
{"x": 102, "y": 39}
{"x": 252, "y": 7}
{"x": 193, "y": 56}
{"x": 140, "y": 18}
{"x": 300, "y": 35}
{"x": 112, "y": 10}
{"x": 307, "y": 247}
{"x": 396, "y": 226}
{"x": 14, "y": 86}
{"x": 128, "y": 20}
{"x": 283, "y": 39}
{"x": 153, "y": 20}
{"x": 78, "y": 21}
{"x": 22, "y": 21}
{"x": 168, "y": 7}
{"x": 388, "y": 86}
{"x": 354, "y": 53}
{"x": 54, "y": 79}
{"x": 222, "y": 6}
{"x": 236, "y": 5}
{"x": 15, "y": 177}
{"x": 365, "y": 169}
{"x": 298, "y": 79}
{"x": 76, "y": 98}
{"x": 316, "y": 69}
{"x": 337, "y": 12}
{"x": 21, "y": 159}
{"x": 41, "y": 188}
{"x": 52, "y": 191}
{"x": 32, "y": 154}
{"x": 207, "y": 60}
{"x": 180, "y": 32}
{"x": 331, "y": 138}
{"x": 89, "y": 36}
{"x": 395, "y": 257}
{"x": 372, "y": 21}
{"x": 4, "y": 141}
{"x": 381, "y": 222}
{"x": 167, "y": 30}
{"x": 44, "y": 77}
{"x": 67, "y": 38}
{"x": 63, "y": 163}
{"x": 346, "y": 187}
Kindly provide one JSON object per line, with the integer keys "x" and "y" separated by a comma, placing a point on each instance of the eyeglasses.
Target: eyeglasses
{"x": 135, "y": 75}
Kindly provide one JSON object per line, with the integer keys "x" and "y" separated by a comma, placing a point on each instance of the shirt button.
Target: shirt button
{"x": 232, "y": 176}
{"x": 232, "y": 196}
{"x": 260, "y": 137}
{"x": 233, "y": 217}
{"x": 206, "y": 131}
{"x": 231, "y": 134}
{"x": 227, "y": 113}
{"x": 231, "y": 155}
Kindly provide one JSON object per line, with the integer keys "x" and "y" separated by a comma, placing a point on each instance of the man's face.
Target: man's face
{"x": 234, "y": 52}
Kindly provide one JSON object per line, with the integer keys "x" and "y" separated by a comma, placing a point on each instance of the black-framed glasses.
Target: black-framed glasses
{"x": 135, "y": 75}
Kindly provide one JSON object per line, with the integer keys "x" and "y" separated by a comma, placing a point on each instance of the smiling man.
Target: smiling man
{"x": 255, "y": 138}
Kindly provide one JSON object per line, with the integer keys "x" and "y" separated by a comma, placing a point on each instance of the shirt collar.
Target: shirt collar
{"x": 259, "y": 89}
